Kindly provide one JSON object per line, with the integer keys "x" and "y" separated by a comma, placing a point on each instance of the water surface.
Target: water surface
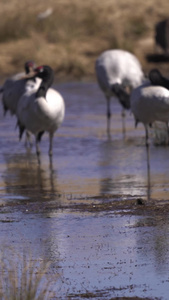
{"x": 80, "y": 210}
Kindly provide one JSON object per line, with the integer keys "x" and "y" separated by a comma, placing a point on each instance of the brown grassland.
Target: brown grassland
{"x": 77, "y": 31}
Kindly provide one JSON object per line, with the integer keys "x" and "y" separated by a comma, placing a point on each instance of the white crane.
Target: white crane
{"x": 116, "y": 71}
{"x": 149, "y": 104}
{"x": 15, "y": 86}
{"x": 42, "y": 110}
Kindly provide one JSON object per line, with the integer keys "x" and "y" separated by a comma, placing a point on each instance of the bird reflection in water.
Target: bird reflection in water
{"x": 122, "y": 170}
{"x": 25, "y": 178}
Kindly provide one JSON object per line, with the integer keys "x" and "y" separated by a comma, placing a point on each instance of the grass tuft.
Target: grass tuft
{"x": 25, "y": 278}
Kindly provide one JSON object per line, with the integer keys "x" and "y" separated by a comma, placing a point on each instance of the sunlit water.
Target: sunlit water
{"x": 106, "y": 251}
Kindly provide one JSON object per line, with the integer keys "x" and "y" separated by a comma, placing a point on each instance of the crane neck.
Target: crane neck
{"x": 47, "y": 77}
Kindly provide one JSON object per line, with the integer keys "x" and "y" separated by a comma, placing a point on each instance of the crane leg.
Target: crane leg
{"x": 28, "y": 142}
{"x": 123, "y": 115}
{"x": 148, "y": 163}
{"x": 148, "y": 173}
{"x": 147, "y": 137}
{"x": 108, "y": 115}
{"x": 50, "y": 143}
{"x": 167, "y": 141}
{"x": 37, "y": 146}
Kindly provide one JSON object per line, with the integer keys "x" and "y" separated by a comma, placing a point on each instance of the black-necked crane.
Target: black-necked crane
{"x": 156, "y": 78}
{"x": 149, "y": 104}
{"x": 42, "y": 110}
{"x": 116, "y": 71}
{"x": 15, "y": 86}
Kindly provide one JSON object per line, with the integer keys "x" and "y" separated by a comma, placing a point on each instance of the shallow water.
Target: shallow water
{"x": 80, "y": 210}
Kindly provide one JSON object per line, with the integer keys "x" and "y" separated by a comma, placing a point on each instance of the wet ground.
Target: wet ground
{"x": 95, "y": 211}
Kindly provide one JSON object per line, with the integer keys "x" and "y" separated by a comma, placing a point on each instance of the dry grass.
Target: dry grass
{"x": 75, "y": 33}
{"x": 22, "y": 278}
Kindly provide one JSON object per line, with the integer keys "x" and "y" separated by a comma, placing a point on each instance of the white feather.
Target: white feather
{"x": 150, "y": 104}
{"x": 38, "y": 114}
{"x": 118, "y": 67}
{"x": 13, "y": 89}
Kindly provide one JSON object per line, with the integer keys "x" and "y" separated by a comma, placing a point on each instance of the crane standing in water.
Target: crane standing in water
{"x": 41, "y": 110}
{"x": 14, "y": 87}
{"x": 117, "y": 71}
{"x": 149, "y": 104}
